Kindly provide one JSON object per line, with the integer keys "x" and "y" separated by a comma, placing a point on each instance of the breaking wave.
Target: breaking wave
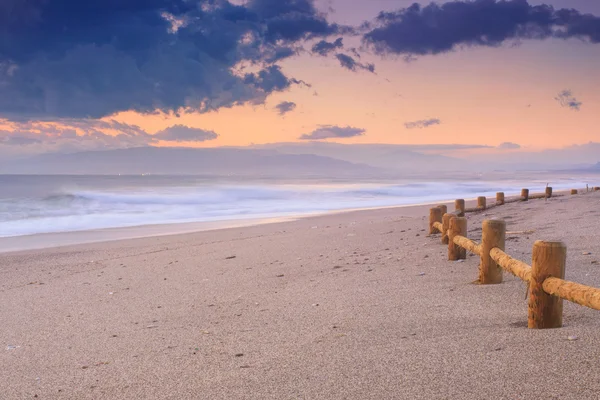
{"x": 75, "y": 210}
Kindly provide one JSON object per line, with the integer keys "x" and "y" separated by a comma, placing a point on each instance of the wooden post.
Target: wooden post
{"x": 492, "y": 235}
{"x": 444, "y": 208}
{"x": 458, "y": 226}
{"x": 596, "y": 188}
{"x": 481, "y": 202}
{"x": 435, "y": 215}
{"x": 524, "y": 194}
{"x": 573, "y": 191}
{"x": 446, "y": 225}
{"x": 500, "y": 198}
{"x": 548, "y": 260}
{"x": 459, "y": 205}
{"x": 548, "y": 192}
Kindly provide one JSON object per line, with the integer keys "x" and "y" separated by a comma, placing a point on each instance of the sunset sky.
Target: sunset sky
{"x": 480, "y": 72}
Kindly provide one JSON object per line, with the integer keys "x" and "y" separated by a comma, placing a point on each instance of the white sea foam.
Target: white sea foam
{"x": 76, "y": 210}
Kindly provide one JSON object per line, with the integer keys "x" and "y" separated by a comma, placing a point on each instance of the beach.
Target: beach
{"x": 352, "y": 305}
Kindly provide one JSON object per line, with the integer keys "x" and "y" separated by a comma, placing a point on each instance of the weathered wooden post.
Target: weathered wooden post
{"x": 524, "y": 194}
{"x": 548, "y": 192}
{"x": 458, "y": 227}
{"x": 481, "y": 202}
{"x": 573, "y": 191}
{"x": 493, "y": 235}
{"x": 596, "y": 188}
{"x": 548, "y": 260}
{"x": 500, "y": 198}
{"x": 444, "y": 208}
{"x": 446, "y": 225}
{"x": 459, "y": 205}
{"x": 435, "y": 215}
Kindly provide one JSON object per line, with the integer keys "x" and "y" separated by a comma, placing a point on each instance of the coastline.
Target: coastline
{"x": 358, "y": 305}
{"x": 69, "y": 238}
{"x": 61, "y": 239}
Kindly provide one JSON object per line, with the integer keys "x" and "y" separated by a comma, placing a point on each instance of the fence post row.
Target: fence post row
{"x": 547, "y": 287}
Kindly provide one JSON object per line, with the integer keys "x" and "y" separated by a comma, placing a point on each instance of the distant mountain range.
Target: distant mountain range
{"x": 311, "y": 159}
{"x": 188, "y": 161}
{"x": 386, "y": 156}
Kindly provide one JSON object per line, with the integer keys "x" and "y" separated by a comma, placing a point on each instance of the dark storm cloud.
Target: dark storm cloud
{"x": 438, "y": 28}
{"x": 93, "y": 58}
{"x": 423, "y": 123}
{"x": 324, "y": 47}
{"x": 566, "y": 99}
{"x": 350, "y": 63}
{"x": 285, "y": 107}
{"x": 332, "y": 131}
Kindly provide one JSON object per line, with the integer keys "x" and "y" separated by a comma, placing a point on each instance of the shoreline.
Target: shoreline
{"x": 40, "y": 241}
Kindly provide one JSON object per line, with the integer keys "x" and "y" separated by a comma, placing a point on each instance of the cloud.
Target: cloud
{"x": 509, "y": 146}
{"x": 435, "y": 28}
{"x": 423, "y": 123}
{"x": 59, "y": 59}
{"x": 285, "y": 107}
{"x": 182, "y": 133}
{"x": 332, "y": 131}
{"x": 350, "y": 63}
{"x": 33, "y": 137}
{"x": 324, "y": 47}
{"x": 565, "y": 99}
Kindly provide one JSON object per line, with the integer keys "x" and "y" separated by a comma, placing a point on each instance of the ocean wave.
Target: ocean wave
{"x": 75, "y": 210}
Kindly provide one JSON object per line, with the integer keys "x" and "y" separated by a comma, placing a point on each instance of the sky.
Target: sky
{"x": 514, "y": 75}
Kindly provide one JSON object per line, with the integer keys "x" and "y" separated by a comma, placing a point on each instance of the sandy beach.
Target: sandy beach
{"x": 358, "y": 305}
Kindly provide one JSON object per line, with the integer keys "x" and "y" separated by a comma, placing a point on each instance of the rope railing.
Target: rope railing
{"x": 545, "y": 277}
{"x": 467, "y": 244}
{"x": 575, "y": 292}
{"x": 516, "y": 267}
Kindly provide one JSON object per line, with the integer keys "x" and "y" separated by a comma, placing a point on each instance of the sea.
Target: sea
{"x": 33, "y": 205}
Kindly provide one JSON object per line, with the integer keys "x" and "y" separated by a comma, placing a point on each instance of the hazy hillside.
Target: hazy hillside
{"x": 386, "y": 156}
{"x": 214, "y": 161}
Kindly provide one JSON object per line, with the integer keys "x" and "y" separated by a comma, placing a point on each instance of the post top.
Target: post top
{"x": 550, "y": 244}
{"x": 494, "y": 222}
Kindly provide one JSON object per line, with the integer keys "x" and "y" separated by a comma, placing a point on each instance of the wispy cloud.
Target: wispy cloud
{"x": 285, "y": 107}
{"x": 509, "y": 146}
{"x": 77, "y": 135}
{"x": 350, "y": 63}
{"x": 423, "y": 123}
{"x": 332, "y": 131}
{"x": 566, "y": 99}
{"x": 182, "y": 133}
